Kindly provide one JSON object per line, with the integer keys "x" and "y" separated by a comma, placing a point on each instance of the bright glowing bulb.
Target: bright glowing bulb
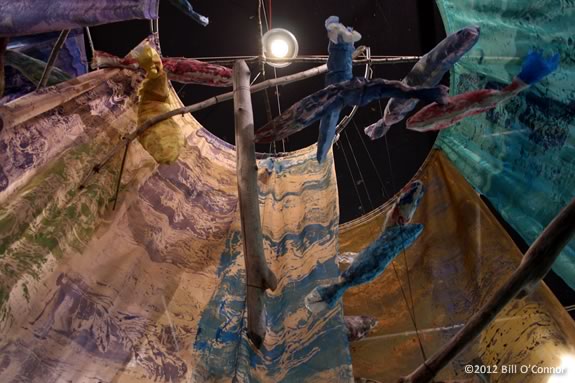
{"x": 279, "y": 48}
{"x": 567, "y": 371}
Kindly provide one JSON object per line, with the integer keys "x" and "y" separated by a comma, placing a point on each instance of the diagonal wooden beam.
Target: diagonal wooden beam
{"x": 258, "y": 276}
{"x": 52, "y": 59}
{"x": 535, "y": 265}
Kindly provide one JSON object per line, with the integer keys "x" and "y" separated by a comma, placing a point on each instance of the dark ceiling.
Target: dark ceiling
{"x": 369, "y": 172}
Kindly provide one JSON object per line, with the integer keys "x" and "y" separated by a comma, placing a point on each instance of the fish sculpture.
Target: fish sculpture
{"x": 438, "y": 117}
{"x": 368, "y": 264}
{"x": 179, "y": 69}
{"x": 428, "y": 71}
{"x": 33, "y": 69}
{"x": 358, "y": 326}
{"x": 339, "y": 68}
{"x": 400, "y": 214}
{"x": 357, "y": 91}
{"x": 165, "y": 140}
{"x": 185, "y": 7}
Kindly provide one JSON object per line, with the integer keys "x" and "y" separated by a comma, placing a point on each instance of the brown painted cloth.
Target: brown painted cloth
{"x": 460, "y": 259}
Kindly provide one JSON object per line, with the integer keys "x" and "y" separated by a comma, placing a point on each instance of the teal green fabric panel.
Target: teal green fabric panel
{"x": 520, "y": 155}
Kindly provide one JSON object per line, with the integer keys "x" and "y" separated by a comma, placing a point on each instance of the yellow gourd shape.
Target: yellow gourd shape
{"x": 165, "y": 140}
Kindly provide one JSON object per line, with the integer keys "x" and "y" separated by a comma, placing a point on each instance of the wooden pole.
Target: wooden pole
{"x": 199, "y": 106}
{"x": 258, "y": 276}
{"x": 535, "y": 265}
{"x": 52, "y": 59}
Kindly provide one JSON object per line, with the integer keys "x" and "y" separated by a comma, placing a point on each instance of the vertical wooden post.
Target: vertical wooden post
{"x": 52, "y": 59}
{"x": 535, "y": 265}
{"x": 258, "y": 276}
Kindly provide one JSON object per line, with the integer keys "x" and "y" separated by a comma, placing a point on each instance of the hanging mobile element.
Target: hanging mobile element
{"x": 165, "y": 140}
{"x": 180, "y": 69}
{"x": 437, "y": 117}
{"x": 339, "y": 68}
{"x": 401, "y": 214}
{"x": 428, "y": 71}
{"x": 185, "y": 7}
{"x": 369, "y": 264}
{"x": 357, "y": 91}
{"x": 3, "y": 44}
{"x": 357, "y": 327}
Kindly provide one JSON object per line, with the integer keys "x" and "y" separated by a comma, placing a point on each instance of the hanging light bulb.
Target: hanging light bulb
{"x": 566, "y": 372}
{"x": 279, "y": 43}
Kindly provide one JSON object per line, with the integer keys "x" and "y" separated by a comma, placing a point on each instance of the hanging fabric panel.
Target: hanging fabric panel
{"x": 520, "y": 155}
{"x": 155, "y": 290}
{"x": 28, "y": 17}
{"x": 458, "y": 262}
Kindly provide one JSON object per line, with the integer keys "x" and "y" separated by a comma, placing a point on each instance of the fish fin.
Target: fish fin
{"x": 377, "y": 130}
{"x": 327, "y": 127}
{"x": 535, "y": 67}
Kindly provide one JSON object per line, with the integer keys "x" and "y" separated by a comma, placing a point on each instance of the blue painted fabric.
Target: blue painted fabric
{"x": 185, "y": 7}
{"x": 521, "y": 154}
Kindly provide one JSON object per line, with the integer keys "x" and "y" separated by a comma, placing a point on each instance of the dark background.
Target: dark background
{"x": 368, "y": 172}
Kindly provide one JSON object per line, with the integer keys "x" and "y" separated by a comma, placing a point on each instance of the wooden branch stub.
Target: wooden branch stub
{"x": 258, "y": 276}
{"x": 535, "y": 265}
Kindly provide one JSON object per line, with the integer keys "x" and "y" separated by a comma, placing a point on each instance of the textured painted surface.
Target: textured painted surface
{"x": 520, "y": 154}
{"x": 154, "y": 292}
{"x": 428, "y": 71}
{"x": 28, "y": 17}
{"x": 357, "y": 91}
{"x": 462, "y": 256}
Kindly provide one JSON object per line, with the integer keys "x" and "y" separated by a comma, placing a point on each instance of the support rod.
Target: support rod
{"x": 534, "y": 266}
{"x": 52, "y": 59}
{"x": 258, "y": 276}
{"x": 199, "y": 106}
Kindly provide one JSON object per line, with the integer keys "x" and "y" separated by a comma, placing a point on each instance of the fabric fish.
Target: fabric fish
{"x": 185, "y": 7}
{"x": 428, "y": 71}
{"x": 437, "y": 117}
{"x": 401, "y": 214}
{"x": 339, "y": 68}
{"x": 409, "y": 199}
{"x": 180, "y": 69}
{"x": 33, "y": 69}
{"x": 357, "y": 91}
{"x": 357, "y": 327}
{"x": 369, "y": 264}
{"x": 165, "y": 140}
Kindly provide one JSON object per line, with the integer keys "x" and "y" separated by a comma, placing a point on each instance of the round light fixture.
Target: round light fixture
{"x": 279, "y": 43}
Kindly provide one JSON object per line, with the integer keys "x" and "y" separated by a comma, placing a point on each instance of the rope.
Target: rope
{"x": 362, "y": 138}
{"x": 352, "y": 177}
{"x": 359, "y": 169}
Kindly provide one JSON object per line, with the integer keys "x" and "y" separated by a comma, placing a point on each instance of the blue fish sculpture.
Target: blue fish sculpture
{"x": 357, "y": 91}
{"x": 427, "y": 72}
{"x": 339, "y": 68}
{"x": 185, "y": 7}
{"x": 369, "y": 264}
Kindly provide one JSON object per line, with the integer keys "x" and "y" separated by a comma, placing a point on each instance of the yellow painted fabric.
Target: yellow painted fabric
{"x": 165, "y": 140}
{"x": 462, "y": 256}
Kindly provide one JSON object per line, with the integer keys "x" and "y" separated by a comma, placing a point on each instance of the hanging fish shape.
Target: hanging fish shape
{"x": 358, "y": 326}
{"x": 339, "y": 68}
{"x": 357, "y": 91}
{"x": 165, "y": 140}
{"x": 185, "y": 7}
{"x": 32, "y": 68}
{"x": 369, "y": 264}
{"x": 401, "y": 214}
{"x": 428, "y": 71}
{"x": 438, "y": 117}
{"x": 179, "y": 69}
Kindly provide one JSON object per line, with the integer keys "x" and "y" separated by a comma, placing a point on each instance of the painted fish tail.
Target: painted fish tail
{"x": 535, "y": 67}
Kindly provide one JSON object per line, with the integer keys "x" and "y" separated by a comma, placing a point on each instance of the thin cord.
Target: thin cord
{"x": 270, "y": 11}
{"x": 361, "y": 136}
{"x": 91, "y": 45}
{"x": 359, "y": 169}
{"x": 352, "y": 177}
{"x": 412, "y": 309}
{"x": 279, "y": 106}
